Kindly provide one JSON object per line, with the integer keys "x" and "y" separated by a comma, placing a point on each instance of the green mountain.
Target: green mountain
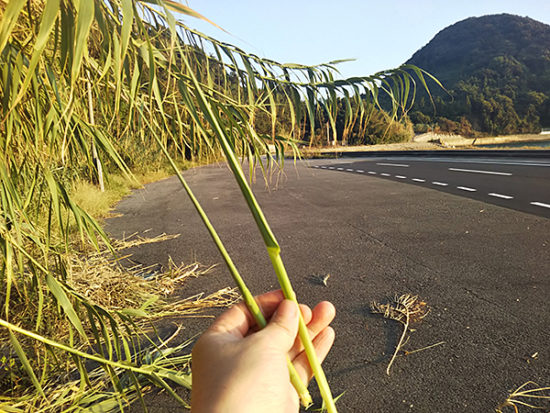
{"x": 497, "y": 71}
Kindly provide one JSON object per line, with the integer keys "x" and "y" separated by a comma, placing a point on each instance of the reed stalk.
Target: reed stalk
{"x": 93, "y": 84}
{"x": 248, "y": 298}
{"x": 273, "y": 248}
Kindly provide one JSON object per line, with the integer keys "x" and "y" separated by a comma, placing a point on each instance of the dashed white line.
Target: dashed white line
{"x": 475, "y": 171}
{"x": 540, "y": 204}
{"x": 350, "y": 170}
{"x": 400, "y": 177}
{"x": 360, "y": 171}
{"x": 465, "y": 188}
{"x": 393, "y": 164}
{"x": 501, "y": 196}
{"x": 385, "y": 174}
{"x": 440, "y": 183}
{"x": 372, "y": 172}
{"x": 418, "y": 180}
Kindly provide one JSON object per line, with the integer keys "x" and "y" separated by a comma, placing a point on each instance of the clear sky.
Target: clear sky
{"x": 378, "y": 34}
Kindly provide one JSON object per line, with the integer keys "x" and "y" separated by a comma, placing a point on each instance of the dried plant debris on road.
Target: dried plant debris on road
{"x": 528, "y": 395}
{"x": 406, "y": 309}
{"x": 319, "y": 279}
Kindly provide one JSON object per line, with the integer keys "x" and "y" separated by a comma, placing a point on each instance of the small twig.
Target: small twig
{"x": 398, "y": 347}
{"x": 405, "y": 309}
{"x": 423, "y": 348}
{"x": 513, "y": 399}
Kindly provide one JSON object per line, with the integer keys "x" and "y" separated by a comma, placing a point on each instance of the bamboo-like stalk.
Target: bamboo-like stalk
{"x": 91, "y": 116}
{"x": 272, "y": 246}
{"x": 248, "y": 298}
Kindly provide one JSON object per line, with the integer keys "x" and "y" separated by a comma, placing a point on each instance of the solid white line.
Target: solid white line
{"x": 540, "y": 204}
{"x": 465, "y": 188}
{"x": 440, "y": 183}
{"x": 372, "y": 173}
{"x": 400, "y": 177}
{"x": 349, "y": 170}
{"x": 418, "y": 180}
{"x": 480, "y": 172}
{"x": 393, "y": 164}
{"x": 385, "y": 174}
{"x": 360, "y": 171}
{"x": 483, "y": 161}
{"x": 501, "y": 196}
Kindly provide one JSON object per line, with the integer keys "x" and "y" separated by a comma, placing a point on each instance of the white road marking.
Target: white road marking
{"x": 540, "y": 204}
{"x": 360, "y": 171}
{"x": 485, "y": 161}
{"x": 501, "y": 196}
{"x": 385, "y": 174}
{"x": 465, "y": 188}
{"x": 400, "y": 177}
{"x": 393, "y": 164}
{"x": 475, "y": 171}
{"x": 418, "y": 180}
{"x": 350, "y": 170}
{"x": 440, "y": 183}
{"x": 372, "y": 172}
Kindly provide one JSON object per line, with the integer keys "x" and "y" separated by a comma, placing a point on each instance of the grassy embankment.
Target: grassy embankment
{"x": 435, "y": 142}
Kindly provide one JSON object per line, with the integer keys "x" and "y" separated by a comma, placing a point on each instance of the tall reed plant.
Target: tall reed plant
{"x": 92, "y": 86}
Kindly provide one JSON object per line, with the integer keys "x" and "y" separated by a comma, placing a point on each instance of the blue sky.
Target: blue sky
{"x": 379, "y": 35}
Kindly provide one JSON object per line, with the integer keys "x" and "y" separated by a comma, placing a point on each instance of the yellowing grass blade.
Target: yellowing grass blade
{"x": 57, "y": 290}
{"x": 25, "y": 363}
{"x": 183, "y": 9}
{"x": 9, "y": 19}
{"x": 85, "y": 18}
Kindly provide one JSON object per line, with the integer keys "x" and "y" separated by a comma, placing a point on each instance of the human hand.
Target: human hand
{"x": 239, "y": 369}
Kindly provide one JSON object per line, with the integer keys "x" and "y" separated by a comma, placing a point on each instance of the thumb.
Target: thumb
{"x": 282, "y": 329}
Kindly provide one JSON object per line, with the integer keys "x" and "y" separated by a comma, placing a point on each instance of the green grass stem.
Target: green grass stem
{"x": 273, "y": 247}
{"x": 248, "y": 298}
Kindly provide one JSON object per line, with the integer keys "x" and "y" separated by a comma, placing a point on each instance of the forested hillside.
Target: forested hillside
{"x": 497, "y": 71}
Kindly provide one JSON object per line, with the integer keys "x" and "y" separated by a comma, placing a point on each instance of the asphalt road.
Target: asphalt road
{"x": 520, "y": 184}
{"x": 482, "y": 269}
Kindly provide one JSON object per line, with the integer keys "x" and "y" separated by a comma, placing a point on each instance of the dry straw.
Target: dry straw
{"x": 529, "y": 395}
{"x": 102, "y": 283}
{"x": 406, "y": 309}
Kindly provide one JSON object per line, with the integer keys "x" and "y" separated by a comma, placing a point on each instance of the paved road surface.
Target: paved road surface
{"x": 521, "y": 184}
{"x": 483, "y": 270}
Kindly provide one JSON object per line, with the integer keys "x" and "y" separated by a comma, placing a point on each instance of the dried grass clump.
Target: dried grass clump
{"x": 406, "y": 309}
{"x": 143, "y": 291}
{"x": 525, "y": 395}
{"x": 103, "y": 280}
{"x": 114, "y": 314}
